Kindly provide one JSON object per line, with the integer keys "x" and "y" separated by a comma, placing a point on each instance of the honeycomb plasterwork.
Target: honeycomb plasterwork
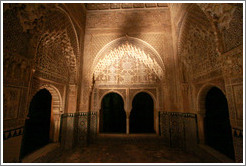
{"x": 33, "y": 22}
{"x": 99, "y": 46}
{"x": 127, "y": 65}
{"x": 197, "y": 50}
{"x": 58, "y": 21}
{"x": 233, "y": 35}
{"x": 56, "y": 57}
{"x": 97, "y": 42}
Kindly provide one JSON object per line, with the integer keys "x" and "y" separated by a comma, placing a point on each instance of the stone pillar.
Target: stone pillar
{"x": 56, "y": 127}
{"x": 69, "y": 117}
{"x": 157, "y": 119}
{"x": 200, "y": 121}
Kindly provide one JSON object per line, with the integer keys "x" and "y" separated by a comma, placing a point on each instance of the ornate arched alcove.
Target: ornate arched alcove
{"x": 57, "y": 108}
{"x": 127, "y": 66}
{"x": 214, "y": 127}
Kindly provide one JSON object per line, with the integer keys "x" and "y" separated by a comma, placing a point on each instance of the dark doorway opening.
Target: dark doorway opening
{"x": 112, "y": 114}
{"x": 37, "y": 126}
{"x": 142, "y": 114}
{"x": 218, "y": 133}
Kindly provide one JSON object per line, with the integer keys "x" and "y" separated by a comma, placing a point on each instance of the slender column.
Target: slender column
{"x": 128, "y": 110}
{"x": 127, "y": 124}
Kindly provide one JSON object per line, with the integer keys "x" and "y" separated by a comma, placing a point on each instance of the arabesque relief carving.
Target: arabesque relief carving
{"x": 127, "y": 65}
{"x": 197, "y": 50}
{"x": 11, "y": 100}
{"x": 16, "y": 69}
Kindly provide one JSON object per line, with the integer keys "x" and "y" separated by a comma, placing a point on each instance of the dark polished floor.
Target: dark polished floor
{"x": 134, "y": 150}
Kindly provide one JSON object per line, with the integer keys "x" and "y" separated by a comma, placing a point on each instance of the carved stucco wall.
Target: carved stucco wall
{"x": 40, "y": 48}
{"x": 104, "y": 27}
{"x": 19, "y": 65}
{"x": 205, "y": 49}
{"x": 57, "y": 51}
{"x": 204, "y": 64}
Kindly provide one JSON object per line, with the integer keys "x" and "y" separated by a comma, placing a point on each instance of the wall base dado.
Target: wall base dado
{"x": 179, "y": 129}
{"x": 11, "y": 149}
{"x": 238, "y": 144}
{"x": 78, "y": 128}
{"x": 12, "y": 145}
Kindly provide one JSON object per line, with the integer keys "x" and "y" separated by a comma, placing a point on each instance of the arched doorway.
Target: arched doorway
{"x": 37, "y": 126}
{"x": 142, "y": 114}
{"x": 112, "y": 114}
{"x": 217, "y": 127}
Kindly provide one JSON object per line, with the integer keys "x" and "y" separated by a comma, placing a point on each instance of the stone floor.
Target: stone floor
{"x": 127, "y": 151}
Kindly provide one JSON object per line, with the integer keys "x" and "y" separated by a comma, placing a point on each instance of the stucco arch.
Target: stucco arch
{"x": 111, "y": 91}
{"x": 149, "y": 93}
{"x": 100, "y": 104}
{"x": 201, "y": 110}
{"x": 56, "y": 96}
{"x": 202, "y": 95}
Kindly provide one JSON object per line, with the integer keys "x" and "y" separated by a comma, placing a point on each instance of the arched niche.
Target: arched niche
{"x": 155, "y": 104}
{"x": 107, "y": 91}
{"x": 43, "y": 121}
{"x": 214, "y": 120}
{"x": 129, "y": 71}
{"x": 57, "y": 109}
{"x": 112, "y": 116}
{"x": 142, "y": 114}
